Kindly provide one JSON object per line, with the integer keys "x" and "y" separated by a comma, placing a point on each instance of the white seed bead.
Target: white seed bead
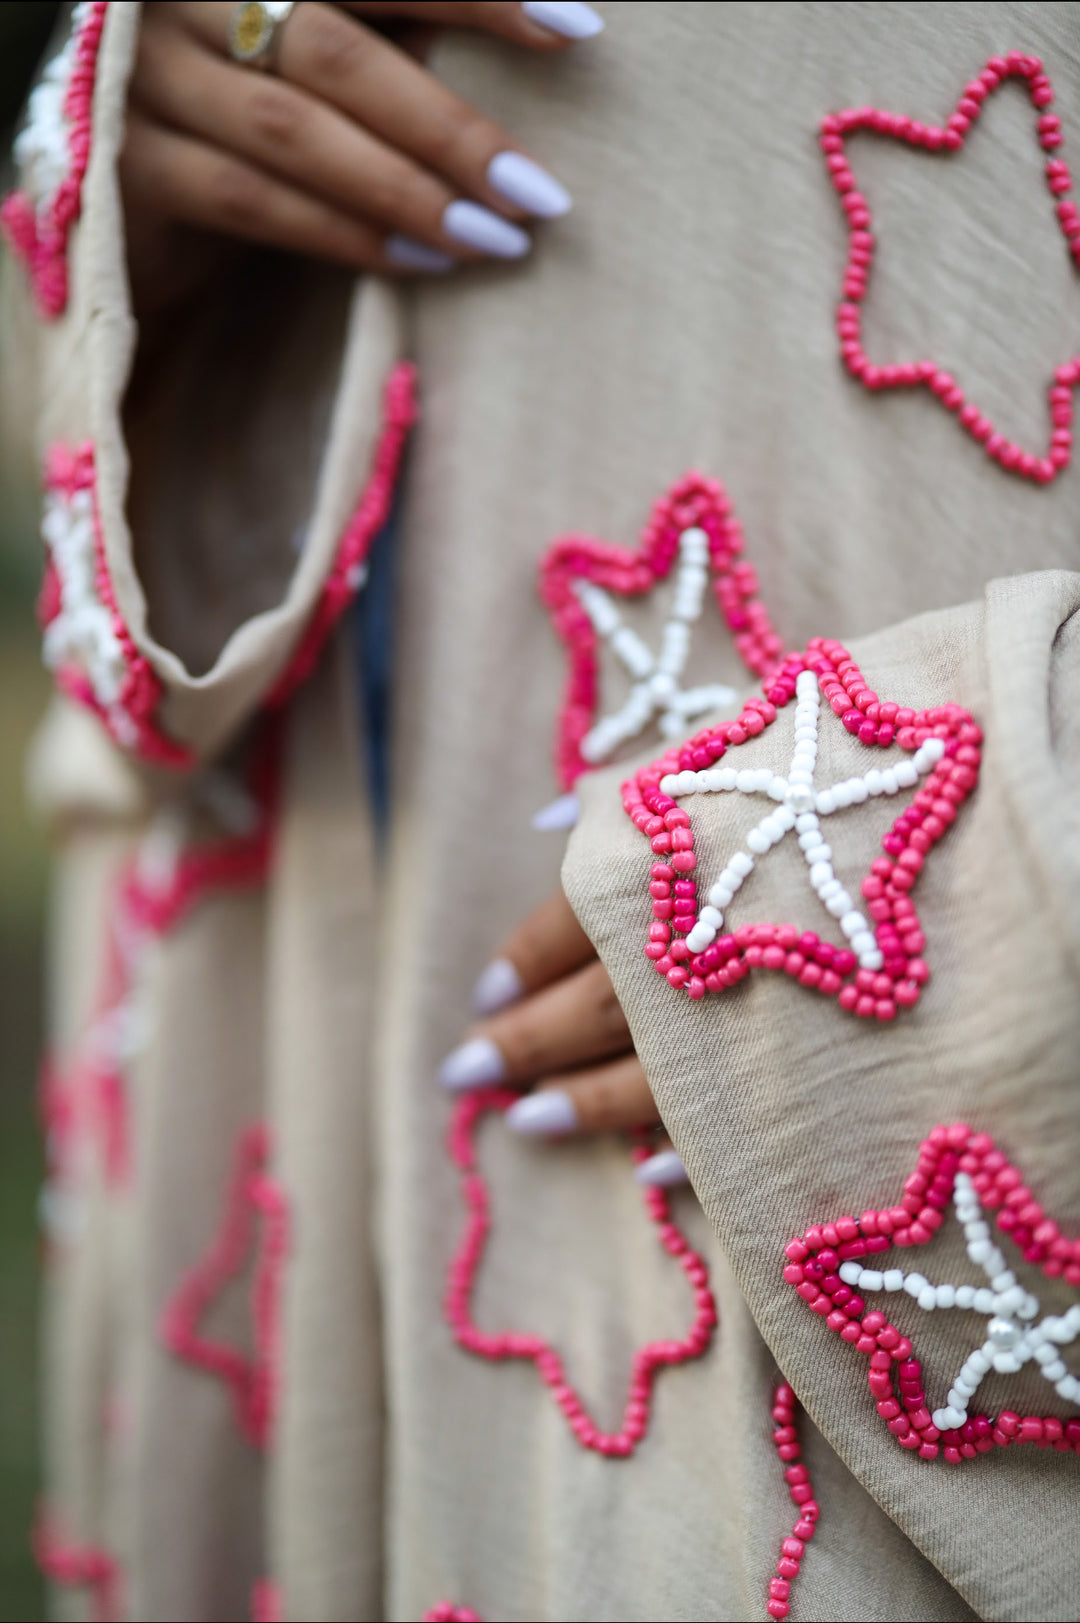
{"x": 871, "y": 1280}
{"x": 720, "y": 895}
{"x": 893, "y": 1279}
{"x": 741, "y": 864}
{"x": 914, "y": 1283}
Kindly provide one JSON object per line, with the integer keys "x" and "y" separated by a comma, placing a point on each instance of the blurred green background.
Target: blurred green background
{"x": 24, "y": 34}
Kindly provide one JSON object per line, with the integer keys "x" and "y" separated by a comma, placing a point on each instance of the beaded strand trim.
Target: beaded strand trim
{"x": 508, "y": 1344}
{"x": 253, "y": 1199}
{"x": 826, "y": 1268}
{"x": 349, "y": 569}
{"x": 835, "y": 129}
{"x": 86, "y": 643}
{"x": 797, "y": 1477}
{"x": 883, "y": 969}
{"x": 52, "y": 152}
{"x": 79, "y": 1566}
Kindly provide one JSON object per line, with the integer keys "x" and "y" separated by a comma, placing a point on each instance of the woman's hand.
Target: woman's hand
{"x": 553, "y": 1025}
{"x": 349, "y": 151}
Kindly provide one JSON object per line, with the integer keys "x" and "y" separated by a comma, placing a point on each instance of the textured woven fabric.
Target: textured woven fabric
{"x": 682, "y": 314}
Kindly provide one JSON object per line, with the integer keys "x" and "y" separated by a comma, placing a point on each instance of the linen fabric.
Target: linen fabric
{"x": 682, "y": 315}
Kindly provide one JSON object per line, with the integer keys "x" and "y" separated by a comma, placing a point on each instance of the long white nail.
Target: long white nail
{"x": 550, "y": 1111}
{"x": 570, "y": 18}
{"x": 478, "y": 227}
{"x": 523, "y": 182}
{"x": 498, "y": 985}
{"x": 415, "y": 255}
{"x": 557, "y": 814}
{"x": 662, "y": 1171}
{"x": 475, "y": 1064}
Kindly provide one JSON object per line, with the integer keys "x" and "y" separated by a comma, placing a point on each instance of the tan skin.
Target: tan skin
{"x": 349, "y": 141}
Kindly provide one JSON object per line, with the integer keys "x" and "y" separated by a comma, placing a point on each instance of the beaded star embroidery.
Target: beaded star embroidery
{"x": 835, "y": 1266}
{"x": 255, "y": 1216}
{"x": 501, "y": 1345}
{"x": 928, "y": 374}
{"x": 693, "y": 525}
{"x": 882, "y": 968}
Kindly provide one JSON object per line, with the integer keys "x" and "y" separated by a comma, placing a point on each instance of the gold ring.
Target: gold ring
{"x": 254, "y": 29}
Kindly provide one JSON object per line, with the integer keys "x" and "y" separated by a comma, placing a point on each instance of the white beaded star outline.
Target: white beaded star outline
{"x": 657, "y": 690}
{"x": 1012, "y": 1338}
{"x": 800, "y": 808}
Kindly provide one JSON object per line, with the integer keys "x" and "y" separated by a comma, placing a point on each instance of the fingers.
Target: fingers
{"x": 542, "y": 25}
{"x": 663, "y": 1169}
{"x": 175, "y": 177}
{"x": 605, "y": 1098}
{"x": 273, "y": 127}
{"x": 547, "y": 945}
{"x": 397, "y": 112}
{"x": 564, "y": 1026}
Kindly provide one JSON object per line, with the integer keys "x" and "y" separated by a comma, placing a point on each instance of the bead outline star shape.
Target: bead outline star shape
{"x": 834, "y": 131}
{"x": 828, "y": 1268}
{"x": 694, "y": 526}
{"x": 800, "y": 808}
{"x": 885, "y": 971}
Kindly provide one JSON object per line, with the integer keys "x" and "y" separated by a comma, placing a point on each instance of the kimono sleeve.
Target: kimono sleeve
{"x": 207, "y": 511}
{"x": 876, "y": 1101}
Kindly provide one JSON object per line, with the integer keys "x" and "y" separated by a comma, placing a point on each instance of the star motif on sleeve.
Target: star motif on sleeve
{"x": 881, "y": 969}
{"x": 800, "y": 808}
{"x": 828, "y": 1267}
{"x": 928, "y": 374}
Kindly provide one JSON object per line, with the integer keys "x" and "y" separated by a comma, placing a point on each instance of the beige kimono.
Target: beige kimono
{"x": 305, "y": 1438}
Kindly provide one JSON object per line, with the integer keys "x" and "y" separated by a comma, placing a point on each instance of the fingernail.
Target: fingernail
{"x": 499, "y": 985}
{"x": 557, "y": 814}
{"x": 523, "y": 182}
{"x": 415, "y": 255}
{"x": 569, "y": 18}
{"x": 662, "y": 1171}
{"x": 478, "y": 227}
{"x": 551, "y": 1111}
{"x": 475, "y": 1064}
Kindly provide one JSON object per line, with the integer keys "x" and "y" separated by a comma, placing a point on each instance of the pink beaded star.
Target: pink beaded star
{"x": 255, "y": 1216}
{"x": 835, "y": 129}
{"x": 502, "y": 1345}
{"x": 834, "y": 1266}
{"x": 694, "y": 526}
{"x": 881, "y": 969}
